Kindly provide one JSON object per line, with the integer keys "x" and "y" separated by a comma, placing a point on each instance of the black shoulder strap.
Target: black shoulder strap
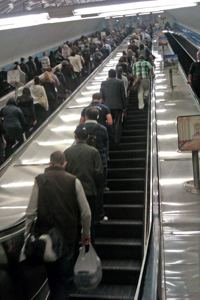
{"x": 94, "y": 130}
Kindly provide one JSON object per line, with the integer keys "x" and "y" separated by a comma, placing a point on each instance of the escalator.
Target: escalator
{"x": 119, "y": 240}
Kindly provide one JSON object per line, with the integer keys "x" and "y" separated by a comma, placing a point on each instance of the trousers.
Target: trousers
{"x": 60, "y": 275}
{"x": 143, "y": 91}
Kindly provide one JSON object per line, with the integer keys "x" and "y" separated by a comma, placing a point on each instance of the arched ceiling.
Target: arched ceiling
{"x": 27, "y": 41}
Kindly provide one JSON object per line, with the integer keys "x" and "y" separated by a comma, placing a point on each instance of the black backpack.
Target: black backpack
{"x": 92, "y": 136}
{"x": 98, "y": 57}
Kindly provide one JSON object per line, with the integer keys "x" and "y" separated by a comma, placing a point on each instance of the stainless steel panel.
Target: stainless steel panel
{"x": 17, "y": 181}
{"x": 180, "y": 210}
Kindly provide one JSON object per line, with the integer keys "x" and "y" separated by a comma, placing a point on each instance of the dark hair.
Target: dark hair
{"x": 141, "y": 57}
{"x": 22, "y": 59}
{"x": 141, "y": 46}
{"x": 26, "y": 92}
{"x": 92, "y": 113}
{"x": 30, "y": 57}
{"x": 119, "y": 72}
{"x": 81, "y": 132}
{"x": 37, "y": 80}
{"x": 11, "y": 101}
{"x": 73, "y": 53}
{"x": 97, "y": 96}
{"x": 112, "y": 73}
{"x": 49, "y": 69}
{"x": 57, "y": 158}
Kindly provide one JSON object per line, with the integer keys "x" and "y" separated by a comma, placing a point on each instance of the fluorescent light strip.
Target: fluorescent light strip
{"x": 128, "y": 6}
{"x": 115, "y": 17}
{"x": 144, "y": 10}
{"x": 146, "y": 13}
{"x": 17, "y": 184}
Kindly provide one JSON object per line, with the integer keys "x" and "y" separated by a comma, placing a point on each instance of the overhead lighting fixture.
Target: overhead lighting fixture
{"x": 130, "y": 15}
{"x": 24, "y": 21}
{"x": 158, "y": 12}
{"x": 115, "y": 17}
{"x": 150, "y": 5}
{"x": 146, "y": 13}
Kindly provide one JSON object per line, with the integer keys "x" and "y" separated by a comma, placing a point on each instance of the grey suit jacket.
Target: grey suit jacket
{"x": 114, "y": 93}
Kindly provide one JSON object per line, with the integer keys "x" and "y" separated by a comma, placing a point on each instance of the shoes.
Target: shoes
{"x": 106, "y": 189}
{"x": 105, "y": 218}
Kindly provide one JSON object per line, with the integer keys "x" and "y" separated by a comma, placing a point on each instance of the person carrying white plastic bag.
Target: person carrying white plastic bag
{"x": 88, "y": 269}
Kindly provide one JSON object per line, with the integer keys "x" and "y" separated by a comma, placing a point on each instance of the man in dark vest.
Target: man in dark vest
{"x": 64, "y": 199}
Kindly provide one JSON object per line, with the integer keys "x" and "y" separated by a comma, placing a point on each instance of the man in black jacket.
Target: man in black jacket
{"x": 100, "y": 134}
{"x": 85, "y": 162}
{"x": 113, "y": 94}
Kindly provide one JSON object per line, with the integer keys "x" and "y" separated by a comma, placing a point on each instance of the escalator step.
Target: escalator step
{"x": 127, "y": 154}
{"x": 124, "y": 212}
{"x": 126, "y": 173}
{"x": 127, "y": 162}
{"x": 108, "y": 248}
{"x": 119, "y": 229}
{"x": 124, "y": 197}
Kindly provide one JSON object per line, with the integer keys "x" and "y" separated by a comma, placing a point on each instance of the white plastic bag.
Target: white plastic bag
{"x": 87, "y": 270}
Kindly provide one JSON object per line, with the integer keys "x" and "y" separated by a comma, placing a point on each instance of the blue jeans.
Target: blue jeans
{"x": 60, "y": 275}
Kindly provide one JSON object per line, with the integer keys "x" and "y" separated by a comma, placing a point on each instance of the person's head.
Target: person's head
{"x": 64, "y": 63}
{"x": 57, "y": 70}
{"x": 47, "y": 77}
{"x": 22, "y": 59}
{"x": 141, "y": 46}
{"x": 57, "y": 158}
{"x": 119, "y": 72}
{"x": 97, "y": 97}
{"x": 112, "y": 73}
{"x": 26, "y": 92}
{"x": 198, "y": 55}
{"x": 30, "y": 58}
{"x": 81, "y": 133}
{"x": 92, "y": 113}
{"x": 36, "y": 80}
{"x": 73, "y": 53}
{"x": 86, "y": 46}
{"x": 49, "y": 69}
{"x": 44, "y": 54}
{"x": 36, "y": 59}
{"x": 141, "y": 57}
{"x": 11, "y": 101}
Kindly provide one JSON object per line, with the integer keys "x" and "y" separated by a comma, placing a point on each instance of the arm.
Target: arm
{"x": 123, "y": 95}
{"x": 102, "y": 91}
{"x": 31, "y": 211}
{"x": 98, "y": 168}
{"x": 84, "y": 210}
{"x": 45, "y": 103}
{"x": 109, "y": 119}
{"x": 33, "y": 112}
{"x": 82, "y": 120}
{"x": 190, "y": 78}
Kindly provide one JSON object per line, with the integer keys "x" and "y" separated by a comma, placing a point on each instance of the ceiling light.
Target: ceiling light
{"x": 24, "y": 21}
{"x": 137, "y": 6}
{"x": 117, "y": 17}
{"x": 145, "y": 13}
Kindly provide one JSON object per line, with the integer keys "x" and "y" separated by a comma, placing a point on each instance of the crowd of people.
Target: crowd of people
{"x": 72, "y": 63}
{"x": 76, "y": 179}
